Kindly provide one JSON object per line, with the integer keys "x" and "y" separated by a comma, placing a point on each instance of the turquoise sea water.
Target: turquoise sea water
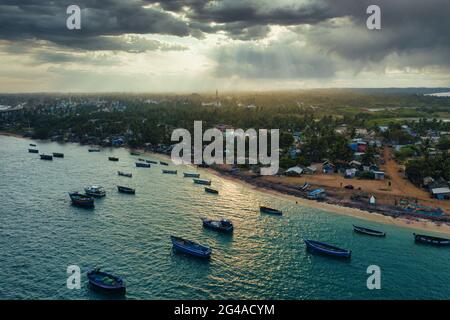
{"x": 41, "y": 234}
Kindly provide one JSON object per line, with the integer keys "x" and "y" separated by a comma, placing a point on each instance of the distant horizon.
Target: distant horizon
{"x": 210, "y": 92}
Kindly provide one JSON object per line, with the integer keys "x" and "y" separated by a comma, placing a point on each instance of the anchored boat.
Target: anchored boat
{"x": 33, "y": 150}
{"x": 191, "y": 175}
{"x": 58, "y": 155}
{"x": 142, "y": 165}
{"x": 46, "y": 157}
{"x": 126, "y": 190}
{"x": 151, "y": 161}
{"x": 210, "y": 190}
{"x": 222, "y": 225}
{"x": 326, "y": 249}
{"x": 190, "y": 247}
{"x": 202, "y": 181}
{"x": 113, "y": 159}
{"x": 32, "y": 145}
{"x": 368, "y": 231}
{"x": 163, "y": 163}
{"x": 435, "y": 241}
{"x": 270, "y": 210}
{"x": 106, "y": 282}
{"x": 170, "y": 171}
{"x": 81, "y": 200}
{"x": 94, "y": 150}
{"x": 95, "y": 191}
{"x": 124, "y": 174}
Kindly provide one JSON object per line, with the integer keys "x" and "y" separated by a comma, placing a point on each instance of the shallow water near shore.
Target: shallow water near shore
{"x": 41, "y": 234}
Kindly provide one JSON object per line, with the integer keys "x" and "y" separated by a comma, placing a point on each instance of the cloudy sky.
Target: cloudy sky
{"x": 201, "y": 45}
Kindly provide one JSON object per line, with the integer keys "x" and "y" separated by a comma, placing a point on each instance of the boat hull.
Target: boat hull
{"x": 81, "y": 201}
{"x": 189, "y": 249}
{"x": 270, "y": 211}
{"x": 212, "y": 191}
{"x": 429, "y": 240}
{"x": 217, "y": 226}
{"x": 202, "y": 182}
{"x": 126, "y": 190}
{"x": 95, "y": 284}
{"x": 327, "y": 250}
{"x": 369, "y": 232}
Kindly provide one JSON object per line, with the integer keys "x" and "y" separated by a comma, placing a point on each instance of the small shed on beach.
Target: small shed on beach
{"x": 294, "y": 171}
{"x": 441, "y": 193}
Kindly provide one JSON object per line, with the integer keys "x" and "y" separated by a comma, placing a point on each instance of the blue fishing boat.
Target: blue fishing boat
{"x": 202, "y": 181}
{"x": 95, "y": 191}
{"x": 326, "y": 249}
{"x": 46, "y": 157}
{"x": 431, "y": 240}
{"x": 142, "y": 165}
{"x": 81, "y": 200}
{"x": 190, "y": 247}
{"x": 222, "y": 225}
{"x": 169, "y": 171}
{"x": 191, "y": 175}
{"x": 106, "y": 282}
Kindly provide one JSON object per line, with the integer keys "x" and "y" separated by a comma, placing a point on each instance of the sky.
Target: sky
{"x": 202, "y": 45}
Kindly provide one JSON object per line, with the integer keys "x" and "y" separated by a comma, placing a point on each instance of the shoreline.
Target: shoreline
{"x": 411, "y": 223}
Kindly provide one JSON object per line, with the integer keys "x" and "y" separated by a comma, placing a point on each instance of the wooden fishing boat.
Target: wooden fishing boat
{"x": 124, "y": 174}
{"x": 141, "y": 159}
{"x": 210, "y": 190}
{"x": 222, "y": 225}
{"x": 46, "y": 157}
{"x": 368, "y": 231}
{"x": 202, "y": 181}
{"x": 151, "y": 161}
{"x": 326, "y": 249}
{"x": 94, "y": 150}
{"x": 163, "y": 163}
{"x": 134, "y": 153}
{"x": 81, "y": 200}
{"x": 191, "y": 247}
{"x": 142, "y": 165}
{"x": 58, "y": 155}
{"x": 113, "y": 159}
{"x": 33, "y": 150}
{"x": 126, "y": 190}
{"x": 431, "y": 240}
{"x": 270, "y": 210}
{"x": 32, "y": 145}
{"x": 95, "y": 191}
{"x": 106, "y": 282}
{"x": 169, "y": 171}
{"x": 191, "y": 175}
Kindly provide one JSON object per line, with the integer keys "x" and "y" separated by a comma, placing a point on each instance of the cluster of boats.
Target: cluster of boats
{"x": 44, "y": 156}
{"x": 330, "y": 250}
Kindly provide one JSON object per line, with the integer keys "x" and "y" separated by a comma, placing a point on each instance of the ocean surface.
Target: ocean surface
{"x": 41, "y": 234}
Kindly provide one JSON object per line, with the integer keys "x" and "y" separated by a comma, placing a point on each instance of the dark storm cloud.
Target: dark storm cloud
{"x": 414, "y": 32}
{"x": 36, "y": 20}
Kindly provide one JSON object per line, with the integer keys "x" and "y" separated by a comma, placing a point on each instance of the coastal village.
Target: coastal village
{"x": 373, "y": 177}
